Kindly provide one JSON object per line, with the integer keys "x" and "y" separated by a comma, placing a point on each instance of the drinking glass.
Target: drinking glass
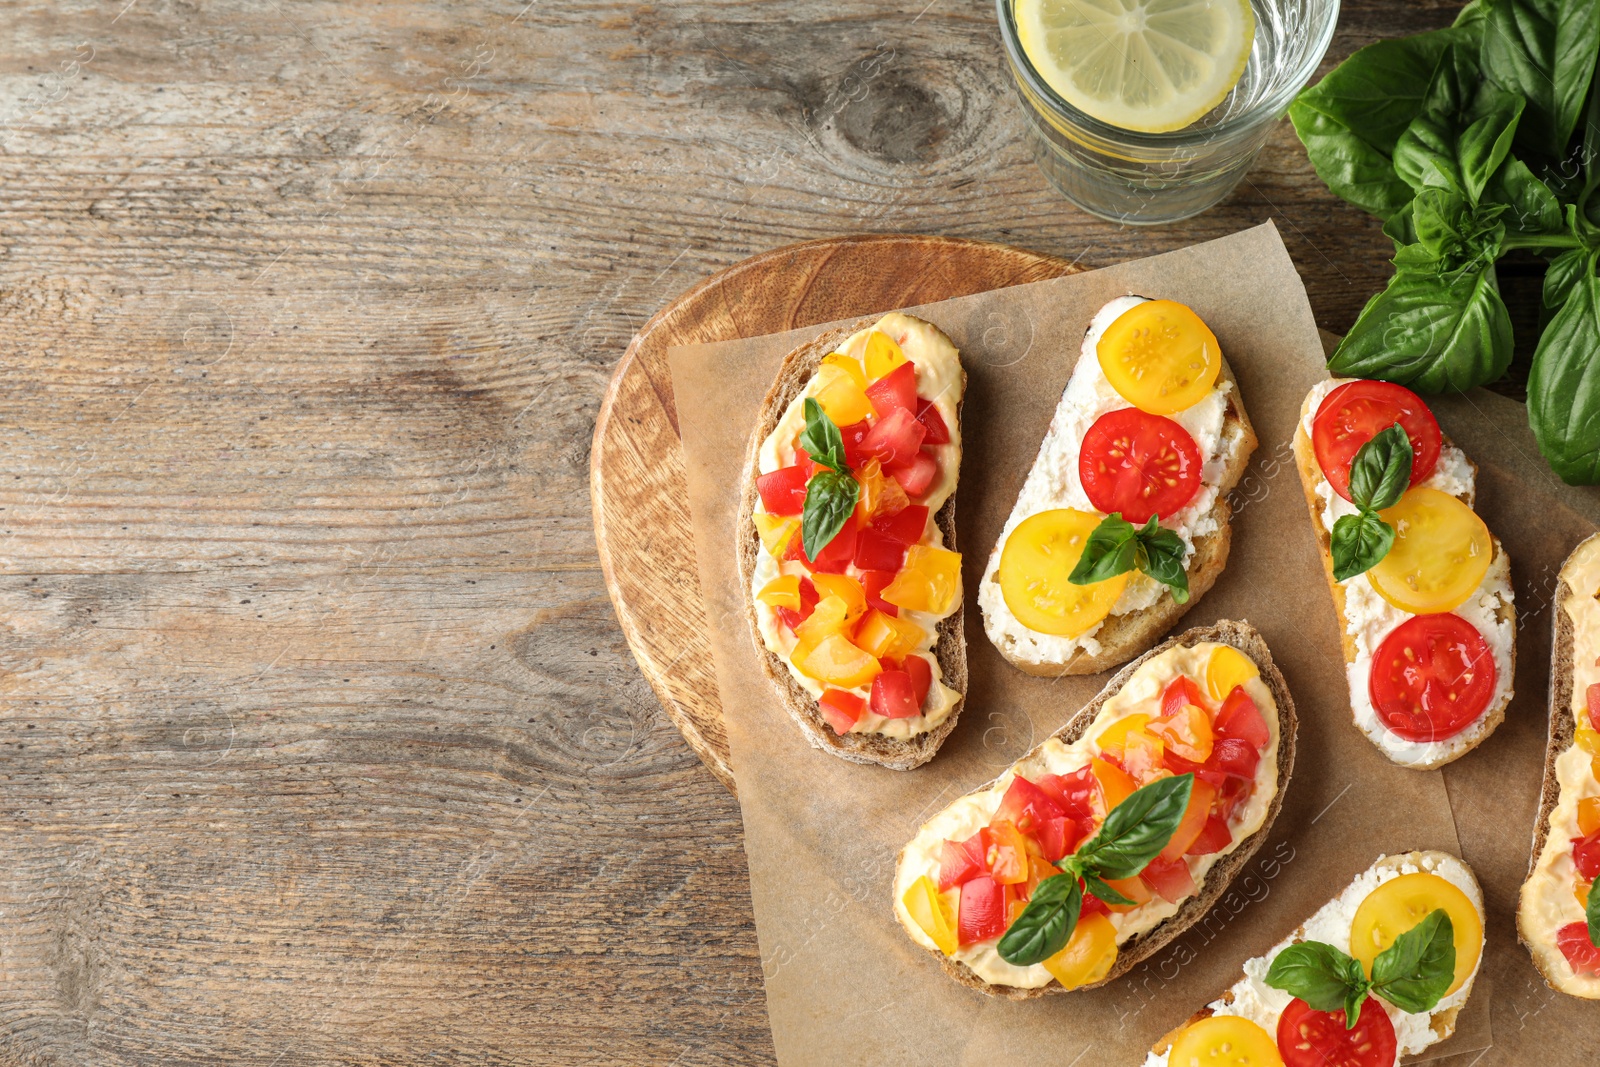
{"x": 1147, "y": 178}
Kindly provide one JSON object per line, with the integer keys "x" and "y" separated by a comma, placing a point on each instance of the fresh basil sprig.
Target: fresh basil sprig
{"x": 1412, "y": 974}
{"x": 1117, "y": 546}
{"x": 832, "y": 492}
{"x": 1379, "y": 476}
{"x": 1133, "y": 834}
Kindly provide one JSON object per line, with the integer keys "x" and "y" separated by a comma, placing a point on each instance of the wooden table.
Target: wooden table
{"x": 320, "y": 741}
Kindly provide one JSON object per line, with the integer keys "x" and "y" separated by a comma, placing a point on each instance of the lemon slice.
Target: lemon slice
{"x": 1145, "y": 65}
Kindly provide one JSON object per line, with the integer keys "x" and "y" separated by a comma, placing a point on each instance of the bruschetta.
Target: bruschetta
{"x": 1398, "y": 949}
{"x": 848, "y": 553}
{"x": 1421, "y": 588}
{"x": 1123, "y": 521}
{"x": 1186, "y": 751}
{"x": 1558, "y": 917}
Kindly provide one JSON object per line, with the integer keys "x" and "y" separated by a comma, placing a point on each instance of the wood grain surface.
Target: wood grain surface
{"x": 641, "y": 516}
{"x": 321, "y": 742}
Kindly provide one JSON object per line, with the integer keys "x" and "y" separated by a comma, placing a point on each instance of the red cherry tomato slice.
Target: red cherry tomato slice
{"x": 1355, "y": 413}
{"x": 1583, "y": 955}
{"x": 1431, "y": 677}
{"x": 1311, "y": 1038}
{"x": 1139, "y": 464}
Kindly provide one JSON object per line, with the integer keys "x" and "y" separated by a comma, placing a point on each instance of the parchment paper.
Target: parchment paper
{"x": 845, "y": 985}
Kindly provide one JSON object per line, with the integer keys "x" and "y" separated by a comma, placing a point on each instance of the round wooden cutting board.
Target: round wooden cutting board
{"x": 641, "y": 514}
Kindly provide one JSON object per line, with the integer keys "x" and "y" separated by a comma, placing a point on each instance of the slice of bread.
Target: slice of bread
{"x": 1121, "y": 637}
{"x": 1441, "y": 1021}
{"x": 1565, "y": 657}
{"x": 1311, "y": 478}
{"x": 950, "y": 647}
{"x": 1135, "y": 950}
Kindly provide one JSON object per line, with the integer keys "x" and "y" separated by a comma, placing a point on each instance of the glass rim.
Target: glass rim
{"x": 1267, "y": 110}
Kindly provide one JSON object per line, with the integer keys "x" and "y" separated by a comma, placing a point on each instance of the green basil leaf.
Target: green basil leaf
{"x": 1564, "y": 387}
{"x": 1160, "y": 556}
{"x": 1532, "y": 207}
{"x": 830, "y": 498}
{"x": 1046, "y": 924}
{"x": 1381, "y": 470}
{"x": 1382, "y": 87}
{"x": 821, "y": 438}
{"x": 1352, "y": 168}
{"x": 1401, "y": 227}
{"x": 1462, "y": 135}
{"x": 1137, "y": 829}
{"x": 1104, "y": 892}
{"x": 1452, "y": 237}
{"x": 1430, "y": 334}
{"x": 1543, "y": 50}
{"x": 1565, "y": 272}
{"x": 1359, "y": 542}
{"x": 1318, "y": 974}
{"x": 1352, "y": 1008}
{"x": 1413, "y": 973}
{"x": 1591, "y": 911}
{"x": 1112, "y": 549}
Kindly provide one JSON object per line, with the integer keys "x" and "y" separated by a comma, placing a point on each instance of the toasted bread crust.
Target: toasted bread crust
{"x": 950, "y": 648}
{"x": 1245, "y": 638}
{"x": 1305, "y": 461}
{"x": 1124, "y": 636}
{"x": 1563, "y": 732}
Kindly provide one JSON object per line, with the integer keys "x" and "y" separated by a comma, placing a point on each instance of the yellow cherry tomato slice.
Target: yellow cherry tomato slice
{"x": 1228, "y": 667}
{"x": 1160, "y": 357}
{"x": 1401, "y": 903}
{"x": 1224, "y": 1041}
{"x": 1035, "y": 566}
{"x": 1087, "y": 956}
{"x": 1441, "y": 553}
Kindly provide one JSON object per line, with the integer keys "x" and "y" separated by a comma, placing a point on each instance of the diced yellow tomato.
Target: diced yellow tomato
{"x": 782, "y": 592}
{"x": 880, "y": 494}
{"x": 835, "y": 661}
{"x": 1035, "y": 574}
{"x": 930, "y": 581}
{"x": 1114, "y": 738}
{"x": 886, "y": 636}
{"x": 1227, "y": 668}
{"x": 849, "y": 364}
{"x": 1201, "y": 797}
{"x": 1401, "y": 903}
{"x": 828, "y": 617}
{"x": 930, "y": 910}
{"x": 1225, "y": 1041}
{"x": 1008, "y": 853}
{"x": 846, "y": 589}
{"x": 882, "y": 355}
{"x": 776, "y": 532}
{"x": 1132, "y": 888}
{"x": 1581, "y": 892}
{"x": 1588, "y": 815}
{"x": 1087, "y": 956}
{"x": 1187, "y": 733}
{"x": 841, "y": 398}
{"x": 1038, "y": 870}
{"x": 1585, "y": 736}
{"x": 1115, "y": 785}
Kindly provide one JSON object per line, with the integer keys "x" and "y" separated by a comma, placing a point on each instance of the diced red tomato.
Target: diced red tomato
{"x": 918, "y": 475}
{"x": 1594, "y": 706}
{"x": 928, "y": 415}
{"x": 1234, "y": 757}
{"x": 1093, "y": 905}
{"x": 981, "y": 915}
{"x": 783, "y": 491}
{"x": 1583, "y": 955}
{"x": 1170, "y": 880}
{"x": 894, "y": 438}
{"x": 808, "y": 601}
{"x": 1005, "y": 852}
{"x": 835, "y": 555}
{"x": 893, "y": 696}
{"x": 960, "y": 860}
{"x": 1028, "y": 806}
{"x": 895, "y": 390}
{"x": 1073, "y": 793}
{"x": 907, "y": 526}
{"x": 1241, "y": 719}
{"x": 921, "y": 677}
{"x": 1235, "y": 791}
{"x": 1586, "y": 856}
{"x": 852, "y": 436}
{"x": 1214, "y": 837}
{"x": 1180, "y": 691}
{"x": 1310, "y": 1038}
{"x": 1057, "y": 836}
{"x": 1194, "y": 821}
{"x": 841, "y": 709}
{"x": 877, "y": 552}
{"x": 873, "y": 583}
